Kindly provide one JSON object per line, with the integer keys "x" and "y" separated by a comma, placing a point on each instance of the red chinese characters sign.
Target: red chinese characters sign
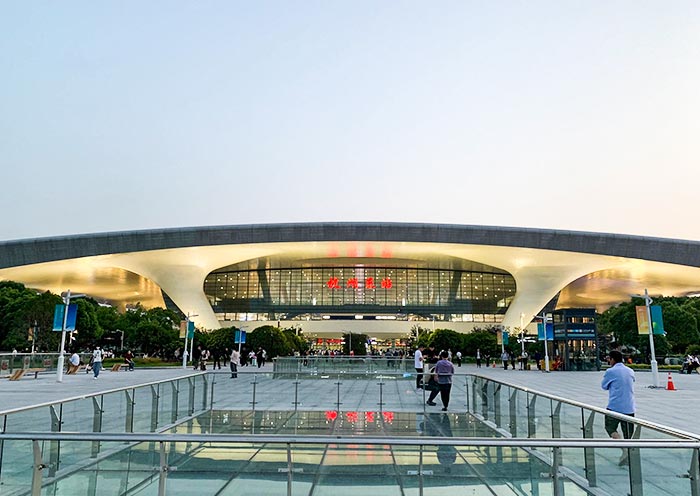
{"x": 354, "y": 283}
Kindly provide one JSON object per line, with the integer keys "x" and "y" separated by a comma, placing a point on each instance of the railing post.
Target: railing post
{"x": 589, "y": 453}
{"x": 556, "y": 421}
{"x": 162, "y": 477}
{"x": 190, "y": 403}
{"x": 513, "y": 413}
{"x": 466, "y": 391}
{"x": 96, "y": 423}
{"x": 497, "y": 404}
{"x": 254, "y": 383}
{"x": 290, "y": 468}
{"x": 338, "y": 402}
{"x": 129, "y": 416}
{"x": 694, "y": 473}
{"x": 205, "y": 390}
{"x": 381, "y": 397}
{"x": 54, "y": 446}
{"x": 484, "y": 398}
{"x": 531, "y": 425}
{"x": 38, "y": 468}
{"x": 155, "y": 400}
{"x": 296, "y": 393}
{"x": 211, "y": 394}
{"x": 635, "y": 466}
{"x": 557, "y": 482}
{"x": 175, "y": 401}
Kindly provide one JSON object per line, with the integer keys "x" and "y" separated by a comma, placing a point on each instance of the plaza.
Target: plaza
{"x": 317, "y": 432}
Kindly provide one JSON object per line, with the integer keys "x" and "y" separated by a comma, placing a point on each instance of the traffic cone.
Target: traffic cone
{"x": 493, "y": 365}
{"x": 669, "y": 385}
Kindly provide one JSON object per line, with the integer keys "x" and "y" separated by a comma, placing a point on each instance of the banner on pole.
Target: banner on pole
{"x": 30, "y": 335}
{"x": 505, "y": 338}
{"x": 657, "y": 321}
{"x": 190, "y": 329}
{"x": 540, "y": 332}
{"x": 642, "y": 320}
{"x": 71, "y": 318}
{"x": 239, "y": 337}
{"x": 183, "y": 329}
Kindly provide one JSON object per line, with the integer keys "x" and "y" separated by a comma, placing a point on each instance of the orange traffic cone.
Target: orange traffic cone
{"x": 669, "y": 385}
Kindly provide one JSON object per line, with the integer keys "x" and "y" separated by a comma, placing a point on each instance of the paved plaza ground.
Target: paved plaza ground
{"x": 671, "y": 408}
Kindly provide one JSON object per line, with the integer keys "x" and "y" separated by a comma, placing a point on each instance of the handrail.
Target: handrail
{"x": 100, "y": 393}
{"x": 345, "y": 440}
{"x": 603, "y": 411}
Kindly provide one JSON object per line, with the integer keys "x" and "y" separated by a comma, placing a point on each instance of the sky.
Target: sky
{"x": 125, "y": 115}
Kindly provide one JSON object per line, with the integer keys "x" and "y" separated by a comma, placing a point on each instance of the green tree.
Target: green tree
{"x": 446, "y": 339}
{"x": 482, "y": 339}
{"x": 271, "y": 339}
{"x": 355, "y": 343}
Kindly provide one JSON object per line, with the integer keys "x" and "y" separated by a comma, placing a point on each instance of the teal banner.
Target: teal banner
{"x": 58, "y": 317}
{"x": 657, "y": 321}
{"x": 505, "y": 338}
{"x": 190, "y": 329}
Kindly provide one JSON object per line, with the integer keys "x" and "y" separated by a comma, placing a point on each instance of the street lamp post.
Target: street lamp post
{"x": 654, "y": 366}
{"x": 522, "y": 337}
{"x": 66, "y": 300}
{"x": 546, "y": 348}
{"x": 34, "y": 336}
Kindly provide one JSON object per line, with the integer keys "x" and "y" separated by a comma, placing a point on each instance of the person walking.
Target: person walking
{"x": 458, "y": 356}
{"x": 418, "y": 365}
{"x": 96, "y": 362}
{"x": 478, "y": 358}
{"x": 444, "y": 371}
{"x": 235, "y": 362}
{"x": 505, "y": 358}
{"x": 618, "y": 381}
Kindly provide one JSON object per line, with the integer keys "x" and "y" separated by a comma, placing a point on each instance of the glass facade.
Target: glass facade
{"x": 313, "y": 291}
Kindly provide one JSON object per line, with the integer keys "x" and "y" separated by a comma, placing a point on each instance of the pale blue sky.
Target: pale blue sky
{"x": 581, "y": 115}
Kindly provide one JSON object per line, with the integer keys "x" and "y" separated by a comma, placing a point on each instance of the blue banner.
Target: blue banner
{"x": 540, "y": 332}
{"x": 657, "y": 321}
{"x": 70, "y": 319}
{"x": 239, "y": 337}
{"x": 505, "y": 338}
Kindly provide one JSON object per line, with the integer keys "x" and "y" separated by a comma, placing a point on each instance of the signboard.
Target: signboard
{"x": 183, "y": 329}
{"x": 58, "y": 315}
{"x": 239, "y": 337}
{"x": 642, "y": 320}
{"x": 657, "y": 321}
{"x": 540, "y": 331}
{"x": 190, "y": 329}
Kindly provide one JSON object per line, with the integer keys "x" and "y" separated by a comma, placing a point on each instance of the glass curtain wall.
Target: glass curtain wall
{"x": 296, "y": 292}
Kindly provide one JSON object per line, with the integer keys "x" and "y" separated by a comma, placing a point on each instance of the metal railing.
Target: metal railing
{"x": 149, "y": 407}
{"x": 305, "y": 464}
{"x": 9, "y": 362}
{"x": 369, "y": 364}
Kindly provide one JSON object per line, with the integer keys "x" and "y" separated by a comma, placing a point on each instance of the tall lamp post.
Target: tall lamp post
{"x": 522, "y": 337}
{"x": 654, "y": 366}
{"x": 546, "y": 347}
{"x": 66, "y": 300}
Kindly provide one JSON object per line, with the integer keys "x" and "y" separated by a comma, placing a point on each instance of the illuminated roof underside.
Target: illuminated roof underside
{"x": 130, "y": 276}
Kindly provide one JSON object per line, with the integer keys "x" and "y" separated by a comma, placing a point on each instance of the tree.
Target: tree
{"x": 271, "y": 339}
{"x": 446, "y": 339}
{"x": 482, "y": 339}
{"x": 355, "y": 343}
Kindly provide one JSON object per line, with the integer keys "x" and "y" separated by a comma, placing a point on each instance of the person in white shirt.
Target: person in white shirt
{"x": 418, "y": 364}
{"x": 96, "y": 362}
{"x": 235, "y": 362}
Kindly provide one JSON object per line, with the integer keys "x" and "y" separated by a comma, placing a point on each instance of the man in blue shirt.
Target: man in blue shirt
{"x": 619, "y": 382}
